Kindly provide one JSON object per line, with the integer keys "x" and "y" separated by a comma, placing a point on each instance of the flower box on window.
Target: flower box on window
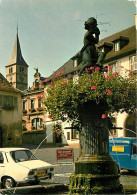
{"x": 24, "y": 111}
{"x": 40, "y": 109}
{"x": 32, "y": 110}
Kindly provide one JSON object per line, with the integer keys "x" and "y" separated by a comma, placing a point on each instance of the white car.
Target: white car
{"x": 19, "y": 165}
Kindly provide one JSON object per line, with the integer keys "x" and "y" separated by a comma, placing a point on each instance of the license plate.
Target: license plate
{"x": 42, "y": 172}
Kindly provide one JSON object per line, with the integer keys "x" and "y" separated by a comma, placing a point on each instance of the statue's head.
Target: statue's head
{"x": 90, "y": 23}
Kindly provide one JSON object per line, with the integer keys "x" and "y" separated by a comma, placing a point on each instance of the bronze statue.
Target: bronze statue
{"x": 89, "y": 54}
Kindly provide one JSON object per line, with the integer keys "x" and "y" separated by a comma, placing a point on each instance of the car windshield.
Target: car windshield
{"x": 22, "y": 155}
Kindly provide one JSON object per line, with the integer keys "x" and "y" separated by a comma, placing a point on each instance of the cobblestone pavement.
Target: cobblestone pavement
{"x": 63, "y": 171}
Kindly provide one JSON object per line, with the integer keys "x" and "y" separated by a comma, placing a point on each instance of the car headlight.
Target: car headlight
{"x": 31, "y": 172}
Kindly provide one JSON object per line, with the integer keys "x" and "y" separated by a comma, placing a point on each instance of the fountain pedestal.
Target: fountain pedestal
{"x": 95, "y": 170}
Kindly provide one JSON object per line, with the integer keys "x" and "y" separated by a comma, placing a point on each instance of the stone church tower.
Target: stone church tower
{"x": 17, "y": 68}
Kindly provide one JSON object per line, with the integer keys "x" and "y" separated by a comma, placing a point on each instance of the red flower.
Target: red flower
{"x": 91, "y": 68}
{"x": 94, "y": 87}
{"x": 124, "y": 92}
{"x": 103, "y": 116}
{"x": 128, "y": 87}
{"x": 108, "y": 77}
{"x": 108, "y": 92}
{"x": 64, "y": 82}
{"x": 41, "y": 84}
{"x": 46, "y": 80}
{"x": 39, "y": 96}
{"x": 51, "y": 87}
{"x": 115, "y": 73}
{"x": 49, "y": 116}
{"x": 57, "y": 131}
{"x": 97, "y": 69}
{"x": 110, "y": 67}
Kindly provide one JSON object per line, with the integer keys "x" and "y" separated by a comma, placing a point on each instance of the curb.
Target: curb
{"x": 37, "y": 189}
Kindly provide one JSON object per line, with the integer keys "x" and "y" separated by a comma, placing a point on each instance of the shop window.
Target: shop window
{"x": 75, "y": 134}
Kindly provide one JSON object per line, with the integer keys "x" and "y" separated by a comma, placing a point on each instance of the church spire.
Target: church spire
{"x": 17, "y": 57}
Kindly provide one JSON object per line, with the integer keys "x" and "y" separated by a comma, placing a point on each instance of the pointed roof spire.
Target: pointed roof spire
{"x": 17, "y": 57}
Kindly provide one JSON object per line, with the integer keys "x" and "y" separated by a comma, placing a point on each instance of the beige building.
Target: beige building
{"x": 10, "y": 114}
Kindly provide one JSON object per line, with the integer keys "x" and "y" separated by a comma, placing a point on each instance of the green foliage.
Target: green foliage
{"x": 65, "y": 96}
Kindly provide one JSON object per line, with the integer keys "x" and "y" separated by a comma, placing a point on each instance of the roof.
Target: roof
{"x": 122, "y": 140}
{"x": 129, "y": 48}
{"x": 17, "y": 57}
{"x": 6, "y": 86}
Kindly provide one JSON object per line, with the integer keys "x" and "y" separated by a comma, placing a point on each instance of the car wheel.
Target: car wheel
{"x": 8, "y": 182}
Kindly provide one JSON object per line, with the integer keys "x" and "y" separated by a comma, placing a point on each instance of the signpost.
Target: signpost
{"x": 62, "y": 154}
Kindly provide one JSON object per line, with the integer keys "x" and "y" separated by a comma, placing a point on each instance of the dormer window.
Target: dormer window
{"x": 75, "y": 63}
{"x": 116, "y": 46}
{"x": 120, "y": 42}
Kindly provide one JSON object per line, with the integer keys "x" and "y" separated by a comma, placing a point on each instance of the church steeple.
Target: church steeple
{"x": 17, "y": 57}
{"x": 17, "y": 68}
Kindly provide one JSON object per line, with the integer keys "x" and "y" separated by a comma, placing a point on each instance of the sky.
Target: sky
{"x": 51, "y": 31}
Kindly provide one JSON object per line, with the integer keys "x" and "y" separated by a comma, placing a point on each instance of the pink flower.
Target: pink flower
{"x": 91, "y": 68}
{"x": 41, "y": 83}
{"x": 51, "y": 87}
{"x": 94, "y": 87}
{"x": 108, "y": 92}
{"x": 97, "y": 69}
{"x": 103, "y": 116}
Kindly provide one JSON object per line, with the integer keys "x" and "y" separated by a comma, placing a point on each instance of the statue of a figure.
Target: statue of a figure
{"x": 89, "y": 54}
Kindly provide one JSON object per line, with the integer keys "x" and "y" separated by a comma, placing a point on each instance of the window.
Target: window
{"x": 8, "y": 102}
{"x": 36, "y": 83}
{"x": 39, "y": 103}
{"x": 133, "y": 63}
{"x": 75, "y": 63}
{"x": 116, "y": 46}
{"x": 75, "y": 134}
{"x": 135, "y": 148}
{"x": 22, "y": 155}
{"x": 68, "y": 135}
{"x": 24, "y": 105}
{"x": 32, "y": 104}
{"x": 21, "y": 69}
{"x": 116, "y": 67}
{"x": 10, "y": 70}
{"x": 36, "y": 123}
{"x": 1, "y": 158}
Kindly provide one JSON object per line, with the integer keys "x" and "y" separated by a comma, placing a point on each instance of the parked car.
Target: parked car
{"x": 124, "y": 152}
{"x": 19, "y": 165}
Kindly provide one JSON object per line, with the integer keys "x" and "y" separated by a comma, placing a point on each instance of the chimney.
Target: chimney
{"x": 136, "y": 21}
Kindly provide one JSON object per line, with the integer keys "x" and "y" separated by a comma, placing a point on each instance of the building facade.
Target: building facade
{"x": 10, "y": 114}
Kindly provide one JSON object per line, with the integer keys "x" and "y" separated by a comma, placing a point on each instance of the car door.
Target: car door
{"x": 2, "y": 163}
{"x": 134, "y": 157}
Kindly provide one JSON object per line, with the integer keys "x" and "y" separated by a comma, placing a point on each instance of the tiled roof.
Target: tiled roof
{"x": 6, "y": 86}
{"x": 17, "y": 57}
{"x": 129, "y": 48}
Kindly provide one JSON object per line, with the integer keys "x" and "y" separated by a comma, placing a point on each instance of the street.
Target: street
{"x": 64, "y": 170}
